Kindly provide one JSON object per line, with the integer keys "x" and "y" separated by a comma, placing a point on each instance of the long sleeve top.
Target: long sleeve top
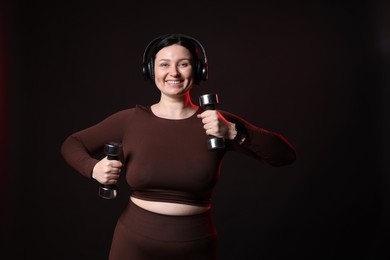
{"x": 168, "y": 160}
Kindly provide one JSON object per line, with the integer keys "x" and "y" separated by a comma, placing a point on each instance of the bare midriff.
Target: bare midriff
{"x": 169, "y": 208}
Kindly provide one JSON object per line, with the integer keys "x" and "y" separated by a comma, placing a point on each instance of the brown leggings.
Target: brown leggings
{"x": 144, "y": 235}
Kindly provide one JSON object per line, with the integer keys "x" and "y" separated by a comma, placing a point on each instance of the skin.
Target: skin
{"x": 174, "y": 77}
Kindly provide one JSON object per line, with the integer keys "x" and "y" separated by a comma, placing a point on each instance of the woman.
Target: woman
{"x": 169, "y": 168}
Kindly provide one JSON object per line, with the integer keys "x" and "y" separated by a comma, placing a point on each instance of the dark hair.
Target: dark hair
{"x": 176, "y": 39}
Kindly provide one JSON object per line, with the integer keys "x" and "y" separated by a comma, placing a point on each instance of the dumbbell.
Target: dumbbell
{"x": 209, "y": 102}
{"x": 112, "y": 151}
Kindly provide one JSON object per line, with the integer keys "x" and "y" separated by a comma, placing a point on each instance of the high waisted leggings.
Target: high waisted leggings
{"x": 143, "y": 235}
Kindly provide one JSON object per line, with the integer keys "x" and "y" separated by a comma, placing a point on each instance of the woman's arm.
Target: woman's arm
{"x": 264, "y": 145}
{"x": 80, "y": 149}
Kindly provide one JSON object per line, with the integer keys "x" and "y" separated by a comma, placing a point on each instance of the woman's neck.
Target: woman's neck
{"x": 174, "y": 108}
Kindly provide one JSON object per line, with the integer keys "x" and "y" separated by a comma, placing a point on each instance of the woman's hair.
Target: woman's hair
{"x": 178, "y": 39}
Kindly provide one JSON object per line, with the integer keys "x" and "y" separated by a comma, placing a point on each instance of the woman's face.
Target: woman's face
{"x": 173, "y": 70}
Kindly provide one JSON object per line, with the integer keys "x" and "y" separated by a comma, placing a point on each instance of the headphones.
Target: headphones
{"x": 200, "y": 63}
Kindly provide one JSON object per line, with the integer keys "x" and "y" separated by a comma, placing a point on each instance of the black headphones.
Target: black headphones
{"x": 200, "y": 63}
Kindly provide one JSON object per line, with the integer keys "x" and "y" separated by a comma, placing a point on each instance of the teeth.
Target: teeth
{"x": 173, "y": 81}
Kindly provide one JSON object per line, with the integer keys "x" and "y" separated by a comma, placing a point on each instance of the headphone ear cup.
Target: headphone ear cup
{"x": 145, "y": 71}
{"x": 201, "y": 71}
{"x": 204, "y": 71}
{"x": 197, "y": 72}
{"x": 151, "y": 69}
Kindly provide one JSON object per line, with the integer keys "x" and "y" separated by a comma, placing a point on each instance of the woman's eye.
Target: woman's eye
{"x": 183, "y": 65}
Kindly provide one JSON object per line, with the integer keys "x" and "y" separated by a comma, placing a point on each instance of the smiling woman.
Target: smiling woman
{"x": 169, "y": 168}
{"x": 174, "y": 78}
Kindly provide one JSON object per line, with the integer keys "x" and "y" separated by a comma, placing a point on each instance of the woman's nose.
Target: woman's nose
{"x": 174, "y": 71}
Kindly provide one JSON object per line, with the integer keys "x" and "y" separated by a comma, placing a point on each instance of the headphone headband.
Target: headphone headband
{"x": 200, "y": 63}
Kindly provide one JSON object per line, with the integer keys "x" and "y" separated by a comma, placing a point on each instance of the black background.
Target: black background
{"x": 317, "y": 72}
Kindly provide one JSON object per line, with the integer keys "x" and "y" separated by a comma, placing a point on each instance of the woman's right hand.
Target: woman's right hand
{"x": 107, "y": 171}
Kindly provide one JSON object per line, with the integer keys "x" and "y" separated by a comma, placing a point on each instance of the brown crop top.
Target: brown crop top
{"x": 168, "y": 160}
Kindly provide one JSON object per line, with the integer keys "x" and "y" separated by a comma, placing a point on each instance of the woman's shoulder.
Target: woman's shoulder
{"x": 132, "y": 111}
{"x": 142, "y": 108}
